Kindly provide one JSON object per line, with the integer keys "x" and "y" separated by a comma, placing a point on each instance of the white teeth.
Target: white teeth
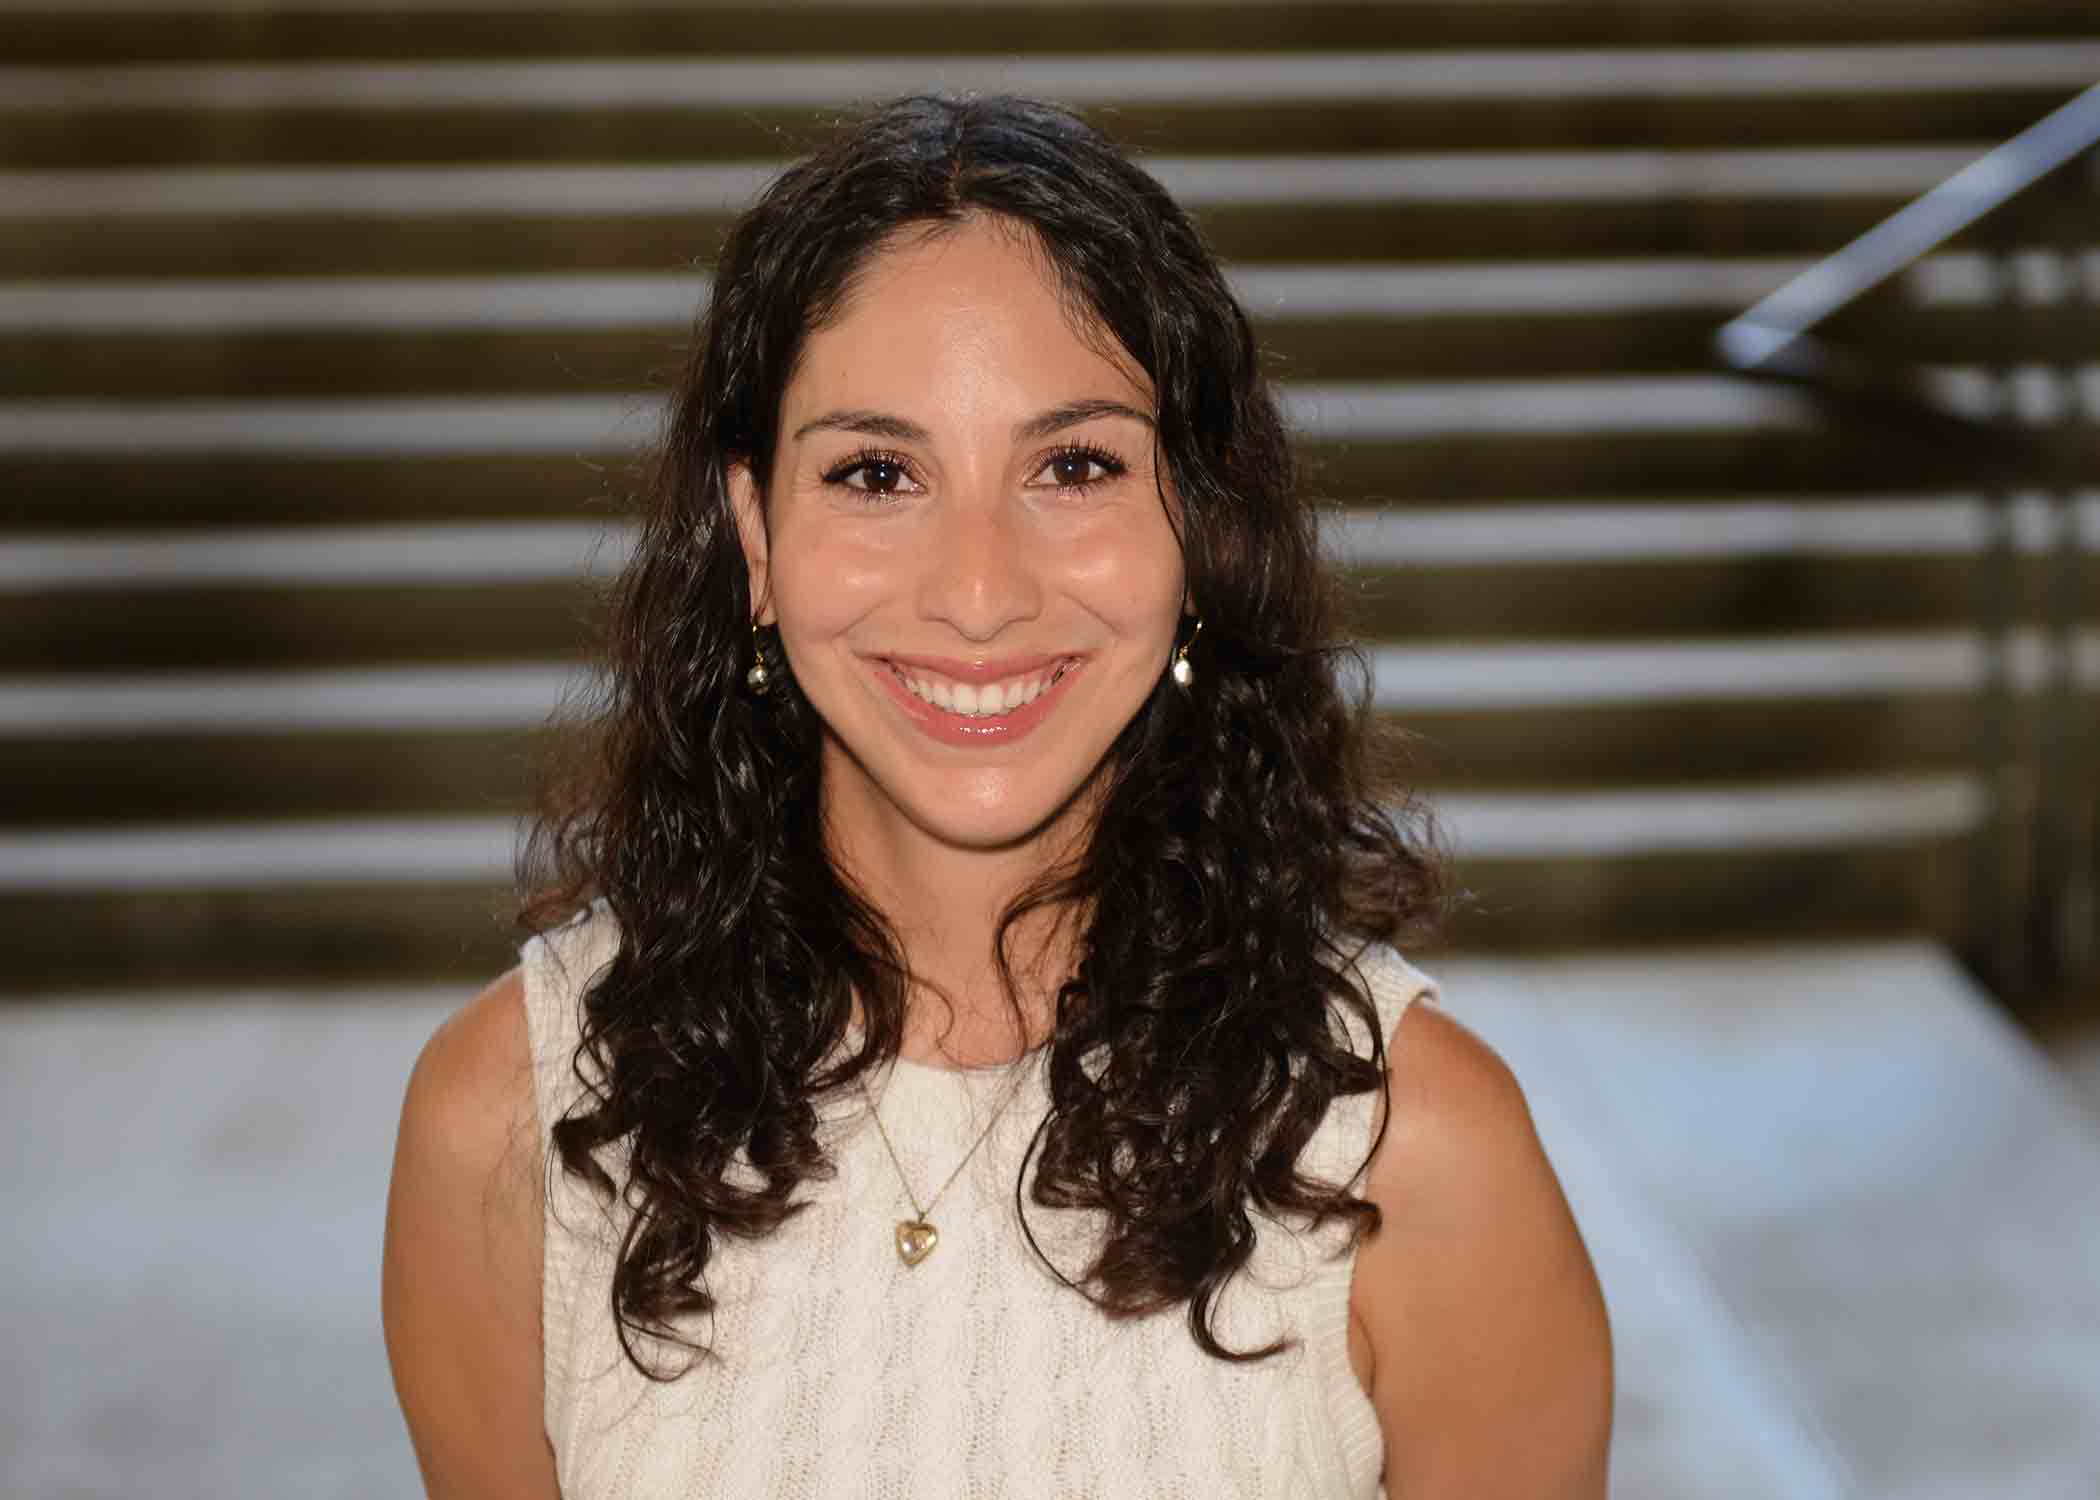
{"x": 981, "y": 702}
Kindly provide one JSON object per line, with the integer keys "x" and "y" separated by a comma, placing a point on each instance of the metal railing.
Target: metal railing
{"x": 2033, "y": 919}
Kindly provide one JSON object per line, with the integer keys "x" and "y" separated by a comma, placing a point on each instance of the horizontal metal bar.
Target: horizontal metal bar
{"x": 383, "y": 698}
{"x": 1803, "y": 815}
{"x": 572, "y": 424}
{"x": 1798, "y": 526}
{"x": 1175, "y": 77}
{"x": 567, "y": 192}
{"x": 1522, "y": 675}
{"x": 438, "y": 304}
{"x": 477, "y": 553}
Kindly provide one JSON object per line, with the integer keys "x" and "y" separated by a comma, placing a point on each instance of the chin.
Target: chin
{"x": 995, "y": 816}
{"x": 982, "y": 808}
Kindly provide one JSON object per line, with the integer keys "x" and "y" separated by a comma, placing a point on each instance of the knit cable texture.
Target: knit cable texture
{"x": 843, "y": 1372}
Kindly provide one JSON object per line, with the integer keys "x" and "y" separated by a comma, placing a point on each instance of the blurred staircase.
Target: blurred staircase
{"x": 327, "y": 333}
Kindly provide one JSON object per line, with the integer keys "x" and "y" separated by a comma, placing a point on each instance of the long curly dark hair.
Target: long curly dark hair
{"x": 1241, "y": 858}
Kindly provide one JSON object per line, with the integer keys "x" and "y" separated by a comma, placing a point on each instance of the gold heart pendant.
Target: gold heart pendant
{"x": 915, "y": 1240}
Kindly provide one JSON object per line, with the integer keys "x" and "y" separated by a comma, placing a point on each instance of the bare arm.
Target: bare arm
{"x": 461, "y": 1283}
{"x": 1491, "y": 1349}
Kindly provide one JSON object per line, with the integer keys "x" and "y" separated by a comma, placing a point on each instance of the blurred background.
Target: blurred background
{"x": 1704, "y": 391}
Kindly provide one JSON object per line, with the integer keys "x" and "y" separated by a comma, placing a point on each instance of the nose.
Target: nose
{"x": 978, "y": 575}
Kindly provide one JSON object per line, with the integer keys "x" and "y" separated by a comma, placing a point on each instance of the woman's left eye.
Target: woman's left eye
{"x": 1070, "y": 470}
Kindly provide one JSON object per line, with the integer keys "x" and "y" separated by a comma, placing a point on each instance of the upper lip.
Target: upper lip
{"x": 994, "y": 669}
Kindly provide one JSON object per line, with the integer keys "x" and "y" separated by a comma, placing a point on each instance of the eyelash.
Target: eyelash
{"x": 1113, "y": 468}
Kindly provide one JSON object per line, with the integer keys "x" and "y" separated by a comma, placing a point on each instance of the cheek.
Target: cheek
{"x": 1130, "y": 576}
{"x": 822, "y": 586}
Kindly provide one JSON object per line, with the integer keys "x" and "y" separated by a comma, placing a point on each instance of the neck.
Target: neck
{"x": 944, "y": 903}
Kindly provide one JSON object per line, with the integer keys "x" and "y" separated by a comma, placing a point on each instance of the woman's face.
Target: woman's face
{"x": 964, "y": 545}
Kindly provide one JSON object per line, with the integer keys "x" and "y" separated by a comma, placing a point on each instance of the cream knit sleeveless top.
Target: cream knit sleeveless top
{"x": 842, "y": 1372}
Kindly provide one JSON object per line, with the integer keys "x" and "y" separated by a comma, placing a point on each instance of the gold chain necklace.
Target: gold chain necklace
{"x": 916, "y": 1237}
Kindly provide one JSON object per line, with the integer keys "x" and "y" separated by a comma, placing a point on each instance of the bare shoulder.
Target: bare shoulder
{"x": 460, "y": 1292}
{"x": 468, "y": 1120}
{"x": 1491, "y": 1349}
{"x": 472, "y": 1089}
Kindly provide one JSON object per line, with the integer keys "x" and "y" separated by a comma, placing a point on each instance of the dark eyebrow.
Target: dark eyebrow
{"x": 878, "y": 424}
{"x": 903, "y": 430}
{"x": 1071, "y": 414}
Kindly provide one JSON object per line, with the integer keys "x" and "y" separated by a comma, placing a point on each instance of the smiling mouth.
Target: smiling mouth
{"x": 991, "y": 700}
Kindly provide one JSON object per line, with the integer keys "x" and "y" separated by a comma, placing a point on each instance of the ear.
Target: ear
{"x": 749, "y": 510}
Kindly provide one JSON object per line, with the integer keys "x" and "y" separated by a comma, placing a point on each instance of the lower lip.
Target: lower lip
{"x": 955, "y": 729}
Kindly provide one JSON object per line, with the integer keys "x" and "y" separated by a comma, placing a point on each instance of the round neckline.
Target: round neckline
{"x": 985, "y": 1070}
{"x": 974, "y": 1073}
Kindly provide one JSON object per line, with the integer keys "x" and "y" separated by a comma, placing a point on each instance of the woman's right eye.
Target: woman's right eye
{"x": 879, "y": 476}
{"x": 871, "y": 474}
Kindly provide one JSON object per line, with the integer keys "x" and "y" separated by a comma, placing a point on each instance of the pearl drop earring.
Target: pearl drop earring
{"x": 757, "y": 679}
{"x": 1182, "y": 673}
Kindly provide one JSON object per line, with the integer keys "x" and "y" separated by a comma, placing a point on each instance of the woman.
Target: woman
{"x": 966, "y": 993}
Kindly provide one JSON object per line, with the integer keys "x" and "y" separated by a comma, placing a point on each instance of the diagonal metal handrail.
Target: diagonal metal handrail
{"x": 1775, "y": 340}
{"x": 1771, "y": 337}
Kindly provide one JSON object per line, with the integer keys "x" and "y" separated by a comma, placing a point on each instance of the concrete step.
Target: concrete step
{"x": 49, "y": 492}
{"x": 44, "y": 32}
{"x": 106, "y": 750}
{"x": 1918, "y": 885}
{"x": 1449, "y": 344}
{"x": 1739, "y": 598}
{"x": 1332, "y": 412}
{"x": 86, "y": 780}
{"x": 83, "y": 781}
{"x": 88, "y": 466}
{"x": 100, "y": 777}
{"x": 540, "y": 335}
{"x": 660, "y": 109}
{"x": 134, "y": 366}
{"x": 241, "y": 221}
{"x": 338, "y": 899}
{"x": 312, "y": 596}
{"x": 446, "y": 336}
{"x": 79, "y": 492}
{"x": 334, "y": 931}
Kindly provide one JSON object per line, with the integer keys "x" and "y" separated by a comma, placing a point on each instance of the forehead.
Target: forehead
{"x": 972, "y": 310}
